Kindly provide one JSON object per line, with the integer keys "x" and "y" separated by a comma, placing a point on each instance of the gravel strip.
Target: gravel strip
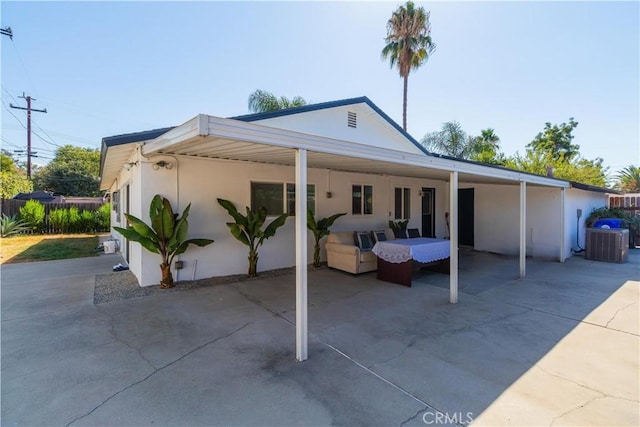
{"x": 123, "y": 285}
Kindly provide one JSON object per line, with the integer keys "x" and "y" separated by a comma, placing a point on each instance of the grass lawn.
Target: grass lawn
{"x": 47, "y": 247}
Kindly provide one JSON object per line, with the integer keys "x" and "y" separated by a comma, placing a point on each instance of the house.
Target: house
{"x": 327, "y": 156}
{"x": 40, "y": 196}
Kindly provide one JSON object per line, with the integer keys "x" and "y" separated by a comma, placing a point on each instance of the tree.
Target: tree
{"x": 7, "y": 164}
{"x": 581, "y": 170}
{"x": 487, "y": 148}
{"x": 556, "y": 140}
{"x": 451, "y": 141}
{"x": 552, "y": 151}
{"x": 262, "y": 101}
{"x": 628, "y": 179}
{"x": 167, "y": 235}
{"x": 408, "y": 44}
{"x": 13, "y": 179}
{"x": 248, "y": 229}
{"x": 320, "y": 229}
{"x": 74, "y": 171}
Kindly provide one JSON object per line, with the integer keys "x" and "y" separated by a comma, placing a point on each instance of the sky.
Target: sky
{"x": 109, "y": 68}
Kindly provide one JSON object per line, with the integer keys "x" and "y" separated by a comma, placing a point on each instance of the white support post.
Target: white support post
{"x": 523, "y": 229}
{"x": 563, "y": 256}
{"x": 453, "y": 237}
{"x": 301, "y": 256}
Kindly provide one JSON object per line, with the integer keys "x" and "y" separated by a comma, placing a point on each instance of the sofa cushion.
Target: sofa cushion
{"x": 379, "y": 235}
{"x": 363, "y": 240}
{"x": 341, "y": 237}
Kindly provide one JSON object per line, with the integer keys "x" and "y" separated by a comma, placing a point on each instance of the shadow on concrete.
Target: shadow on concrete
{"x": 460, "y": 358}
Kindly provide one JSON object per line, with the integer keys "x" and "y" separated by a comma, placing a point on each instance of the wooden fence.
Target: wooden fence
{"x": 12, "y": 207}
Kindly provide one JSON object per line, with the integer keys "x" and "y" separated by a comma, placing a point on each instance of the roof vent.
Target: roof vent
{"x": 351, "y": 119}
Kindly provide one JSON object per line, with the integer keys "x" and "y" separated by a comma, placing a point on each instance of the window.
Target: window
{"x": 115, "y": 205}
{"x": 402, "y": 203}
{"x": 273, "y": 197}
{"x": 269, "y": 196}
{"x": 291, "y": 198}
{"x": 362, "y": 199}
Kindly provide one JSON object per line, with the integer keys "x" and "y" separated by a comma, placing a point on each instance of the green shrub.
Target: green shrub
{"x": 59, "y": 220}
{"x": 32, "y": 213}
{"x": 87, "y": 221}
{"x": 103, "y": 217}
{"x": 10, "y": 226}
{"x": 73, "y": 220}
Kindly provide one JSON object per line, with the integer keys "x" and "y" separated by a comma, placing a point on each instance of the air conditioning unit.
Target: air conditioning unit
{"x": 610, "y": 245}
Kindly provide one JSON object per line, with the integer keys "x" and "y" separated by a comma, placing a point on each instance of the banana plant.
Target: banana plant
{"x": 167, "y": 235}
{"x": 319, "y": 230}
{"x": 248, "y": 230}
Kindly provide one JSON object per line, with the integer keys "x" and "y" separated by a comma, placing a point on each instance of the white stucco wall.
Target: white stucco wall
{"x": 579, "y": 199}
{"x": 201, "y": 181}
{"x": 371, "y": 128}
{"x": 497, "y": 220}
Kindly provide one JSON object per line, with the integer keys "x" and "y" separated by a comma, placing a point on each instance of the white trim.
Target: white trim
{"x": 523, "y": 229}
{"x": 301, "y": 256}
{"x": 453, "y": 237}
{"x": 563, "y": 255}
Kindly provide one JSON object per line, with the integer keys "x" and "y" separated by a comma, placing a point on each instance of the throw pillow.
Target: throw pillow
{"x": 379, "y": 236}
{"x": 364, "y": 241}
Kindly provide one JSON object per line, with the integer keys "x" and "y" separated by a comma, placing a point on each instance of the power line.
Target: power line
{"x": 7, "y": 32}
{"x": 11, "y": 112}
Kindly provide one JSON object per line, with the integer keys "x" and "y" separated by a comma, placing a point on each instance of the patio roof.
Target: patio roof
{"x": 213, "y": 137}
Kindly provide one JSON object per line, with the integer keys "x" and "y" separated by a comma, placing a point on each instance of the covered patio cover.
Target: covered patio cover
{"x": 207, "y": 136}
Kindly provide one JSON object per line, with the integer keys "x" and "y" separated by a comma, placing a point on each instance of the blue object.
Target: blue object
{"x": 608, "y": 223}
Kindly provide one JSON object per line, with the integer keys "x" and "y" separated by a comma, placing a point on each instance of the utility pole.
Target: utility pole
{"x": 29, "y": 110}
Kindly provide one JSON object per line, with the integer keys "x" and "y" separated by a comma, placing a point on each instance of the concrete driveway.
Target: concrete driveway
{"x": 560, "y": 347}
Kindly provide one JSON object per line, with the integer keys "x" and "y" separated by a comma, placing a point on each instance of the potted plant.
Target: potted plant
{"x": 247, "y": 229}
{"x": 399, "y": 228}
{"x": 319, "y": 230}
{"x": 167, "y": 235}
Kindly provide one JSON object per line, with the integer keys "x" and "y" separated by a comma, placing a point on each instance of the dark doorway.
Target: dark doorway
{"x": 465, "y": 216}
{"x": 428, "y": 212}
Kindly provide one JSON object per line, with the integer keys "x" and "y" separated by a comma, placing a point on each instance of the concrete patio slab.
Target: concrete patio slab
{"x": 560, "y": 347}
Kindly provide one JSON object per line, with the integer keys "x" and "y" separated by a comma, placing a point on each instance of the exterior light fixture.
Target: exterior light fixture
{"x": 162, "y": 164}
{"x": 129, "y": 165}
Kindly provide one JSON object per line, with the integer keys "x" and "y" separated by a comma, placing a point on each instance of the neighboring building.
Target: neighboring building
{"x": 353, "y": 147}
{"x": 40, "y": 196}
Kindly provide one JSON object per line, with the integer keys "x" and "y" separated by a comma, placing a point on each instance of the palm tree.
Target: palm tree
{"x": 487, "y": 148}
{"x": 488, "y": 139}
{"x": 408, "y": 44}
{"x": 262, "y": 101}
{"x": 452, "y": 141}
{"x": 629, "y": 179}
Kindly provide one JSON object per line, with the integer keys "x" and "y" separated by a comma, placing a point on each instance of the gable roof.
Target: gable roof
{"x": 331, "y": 104}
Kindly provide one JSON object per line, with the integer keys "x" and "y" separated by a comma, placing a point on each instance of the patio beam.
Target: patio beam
{"x": 563, "y": 256}
{"x": 453, "y": 237}
{"x": 301, "y": 256}
{"x": 523, "y": 229}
